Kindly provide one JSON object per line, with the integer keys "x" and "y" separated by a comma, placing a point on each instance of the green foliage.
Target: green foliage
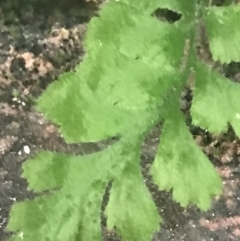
{"x": 221, "y": 101}
{"x": 132, "y": 76}
{"x": 180, "y": 165}
{"x": 220, "y": 23}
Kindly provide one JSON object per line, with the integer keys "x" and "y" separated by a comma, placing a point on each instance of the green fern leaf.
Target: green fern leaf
{"x": 181, "y": 166}
{"x": 131, "y": 79}
{"x": 222, "y": 24}
{"x": 131, "y": 209}
{"x": 79, "y": 103}
{"x": 221, "y": 101}
{"x": 56, "y": 216}
{"x": 125, "y": 59}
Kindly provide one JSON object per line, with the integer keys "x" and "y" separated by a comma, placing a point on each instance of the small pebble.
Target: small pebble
{"x": 26, "y": 149}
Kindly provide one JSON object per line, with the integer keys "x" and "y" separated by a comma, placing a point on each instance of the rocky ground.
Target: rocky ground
{"x": 34, "y": 50}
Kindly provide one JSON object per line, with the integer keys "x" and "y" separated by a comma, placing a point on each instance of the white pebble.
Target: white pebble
{"x": 26, "y": 149}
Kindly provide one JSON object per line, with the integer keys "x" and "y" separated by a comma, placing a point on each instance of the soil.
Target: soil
{"x": 34, "y": 50}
